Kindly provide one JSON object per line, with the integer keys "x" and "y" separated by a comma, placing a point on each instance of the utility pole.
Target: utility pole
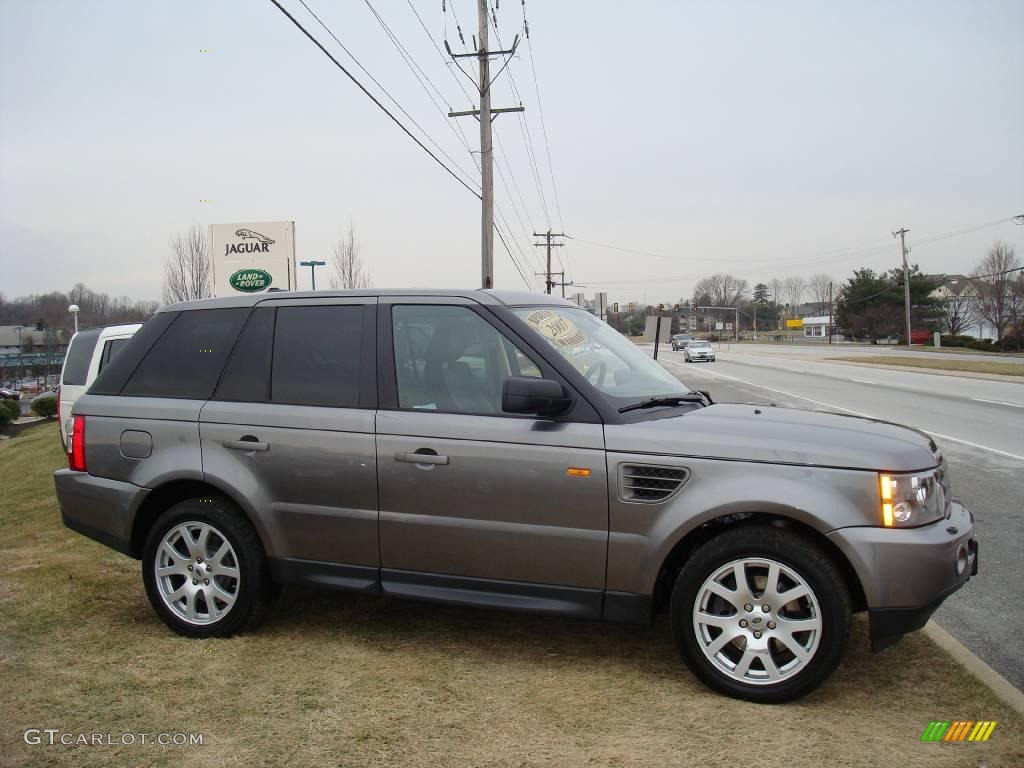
{"x": 902, "y": 234}
{"x": 485, "y": 115}
{"x": 561, "y": 282}
{"x": 829, "y": 311}
{"x": 312, "y": 269}
{"x": 549, "y": 245}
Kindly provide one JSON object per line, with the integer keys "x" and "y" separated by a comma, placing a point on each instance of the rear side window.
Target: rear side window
{"x": 110, "y": 348}
{"x": 187, "y": 359}
{"x": 247, "y": 376}
{"x": 76, "y": 366}
{"x": 316, "y": 355}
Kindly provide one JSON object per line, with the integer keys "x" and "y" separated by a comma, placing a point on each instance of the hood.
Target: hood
{"x": 781, "y": 436}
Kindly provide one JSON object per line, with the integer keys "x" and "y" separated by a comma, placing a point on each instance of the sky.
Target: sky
{"x": 762, "y": 139}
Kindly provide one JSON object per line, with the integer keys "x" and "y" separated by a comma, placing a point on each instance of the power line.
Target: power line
{"x": 402, "y": 109}
{"x": 374, "y": 99}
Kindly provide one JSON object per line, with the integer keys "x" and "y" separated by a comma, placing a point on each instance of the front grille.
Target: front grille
{"x": 644, "y": 483}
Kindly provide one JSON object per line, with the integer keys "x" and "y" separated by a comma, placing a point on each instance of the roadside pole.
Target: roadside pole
{"x": 902, "y": 234}
{"x": 657, "y": 336}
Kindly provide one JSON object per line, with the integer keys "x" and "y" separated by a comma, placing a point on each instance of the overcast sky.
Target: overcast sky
{"x": 757, "y": 138}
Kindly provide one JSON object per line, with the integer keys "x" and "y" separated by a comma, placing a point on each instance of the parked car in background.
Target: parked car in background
{"x": 87, "y": 355}
{"x": 500, "y": 449}
{"x": 697, "y": 351}
{"x": 679, "y": 341}
{"x": 9, "y": 394}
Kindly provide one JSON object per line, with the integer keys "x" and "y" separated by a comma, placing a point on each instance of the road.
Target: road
{"x": 978, "y": 423}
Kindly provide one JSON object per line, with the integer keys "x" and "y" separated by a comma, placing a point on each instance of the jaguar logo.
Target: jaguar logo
{"x": 261, "y": 245}
{"x": 248, "y": 234}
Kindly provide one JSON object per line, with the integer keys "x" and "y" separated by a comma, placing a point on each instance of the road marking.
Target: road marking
{"x": 952, "y": 439}
{"x": 997, "y": 402}
{"x": 864, "y": 381}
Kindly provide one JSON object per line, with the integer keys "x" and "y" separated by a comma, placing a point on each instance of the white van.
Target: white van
{"x": 87, "y": 353}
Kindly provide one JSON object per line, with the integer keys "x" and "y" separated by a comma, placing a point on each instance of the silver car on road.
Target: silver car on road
{"x": 489, "y": 448}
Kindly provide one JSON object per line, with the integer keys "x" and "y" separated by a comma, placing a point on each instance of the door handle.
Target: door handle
{"x": 247, "y": 443}
{"x": 421, "y": 458}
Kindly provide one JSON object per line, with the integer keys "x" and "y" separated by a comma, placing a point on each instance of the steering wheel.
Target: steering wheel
{"x": 595, "y": 374}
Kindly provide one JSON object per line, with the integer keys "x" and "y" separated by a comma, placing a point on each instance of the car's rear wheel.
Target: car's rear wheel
{"x": 761, "y": 613}
{"x": 204, "y": 569}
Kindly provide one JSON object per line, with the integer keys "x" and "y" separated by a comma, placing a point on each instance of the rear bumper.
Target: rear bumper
{"x": 906, "y": 574}
{"x": 102, "y": 509}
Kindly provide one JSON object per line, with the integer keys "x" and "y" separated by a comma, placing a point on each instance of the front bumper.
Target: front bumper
{"x": 907, "y": 573}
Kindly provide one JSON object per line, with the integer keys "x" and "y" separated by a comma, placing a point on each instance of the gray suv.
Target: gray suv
{"x": 502, "y": 450}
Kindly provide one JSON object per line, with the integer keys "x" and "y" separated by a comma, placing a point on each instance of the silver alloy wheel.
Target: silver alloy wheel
{"x": 757, "y": 621}
{"x": 197, "y": 572}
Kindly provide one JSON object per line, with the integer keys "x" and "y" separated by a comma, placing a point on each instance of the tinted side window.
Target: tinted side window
{"x": 187, "y": 359}
{"x": 316, "y": 355}
{"x": 247, "y": 376}
{"x": 111, "y": 379}
{"x": 76, "y": 368}
{"x": 111, "y": 348}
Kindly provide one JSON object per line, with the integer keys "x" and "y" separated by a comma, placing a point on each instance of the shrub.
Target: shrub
{"x": 5, "y": 418}
{"x": 45, "y": 407}
{"x": 12, "y": 408}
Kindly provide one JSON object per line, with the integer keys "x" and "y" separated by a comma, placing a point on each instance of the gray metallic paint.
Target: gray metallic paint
{"x": 503, "y": 507}
{"x": 313, "y": 493}
{"x": 502, "y": 524}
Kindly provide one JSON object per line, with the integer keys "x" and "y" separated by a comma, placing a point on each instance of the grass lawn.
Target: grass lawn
{"x": 971, "y": 366}
{"x": 340, "y": 680}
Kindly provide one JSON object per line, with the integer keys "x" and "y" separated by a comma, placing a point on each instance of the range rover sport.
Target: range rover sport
{"x": 502, "y": 450}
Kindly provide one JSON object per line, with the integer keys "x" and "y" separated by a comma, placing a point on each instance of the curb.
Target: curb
{"x": 999, "y": 685}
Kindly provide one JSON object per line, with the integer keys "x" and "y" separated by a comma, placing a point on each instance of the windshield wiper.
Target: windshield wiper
{"x": 690, "y": 397}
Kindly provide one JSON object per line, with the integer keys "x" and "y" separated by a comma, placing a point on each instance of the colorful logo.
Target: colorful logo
{"x": 958, "y": 730}
{"x": 250, "y": 280}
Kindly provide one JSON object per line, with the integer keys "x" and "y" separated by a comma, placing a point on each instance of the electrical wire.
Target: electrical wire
{"x": 374, "y": 99}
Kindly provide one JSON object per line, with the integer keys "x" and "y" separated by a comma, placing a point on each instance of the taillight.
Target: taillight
{"x": 76, "y": 455}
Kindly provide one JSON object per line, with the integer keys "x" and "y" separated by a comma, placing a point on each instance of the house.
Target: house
{"x": 959, "y": 294}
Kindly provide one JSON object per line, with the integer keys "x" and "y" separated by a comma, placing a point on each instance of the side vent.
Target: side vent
{"x": 650, "y": 485}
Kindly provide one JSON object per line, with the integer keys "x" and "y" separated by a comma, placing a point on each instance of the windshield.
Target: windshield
{"x": 609, "y": 361}
{"x": 700, "y": 345}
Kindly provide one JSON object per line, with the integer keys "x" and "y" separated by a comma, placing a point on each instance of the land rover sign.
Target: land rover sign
{"x": 250, "y": 280}
{"x": 250, "y": 257}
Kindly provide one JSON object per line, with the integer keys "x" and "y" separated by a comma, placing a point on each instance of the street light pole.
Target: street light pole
{"x": 312, "y": 269}
{"x": 73, "y": 309}
{"x": 902, "y": 234}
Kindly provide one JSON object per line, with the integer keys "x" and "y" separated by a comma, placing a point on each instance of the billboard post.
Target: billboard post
{"x": 252, "y": 257}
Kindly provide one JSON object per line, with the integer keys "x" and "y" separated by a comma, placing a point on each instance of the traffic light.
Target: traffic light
{"x": 615, "y": 307}
{"x": 675, "y": 308}
{"x": 661, "y": 307}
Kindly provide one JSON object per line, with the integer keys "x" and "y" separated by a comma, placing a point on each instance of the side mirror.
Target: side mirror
{"x": 525, "y": 394}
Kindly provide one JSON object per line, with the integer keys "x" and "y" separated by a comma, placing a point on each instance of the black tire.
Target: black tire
{"x": 255, "y": 590}
{"x": 792, "y": 550}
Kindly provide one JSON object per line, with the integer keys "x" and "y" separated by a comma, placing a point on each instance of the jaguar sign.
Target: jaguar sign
{"x": 251, "y": 257}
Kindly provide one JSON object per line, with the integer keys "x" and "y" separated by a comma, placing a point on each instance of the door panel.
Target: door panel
{"x": 502, "y": 507}
{"x": 315, "y": 484}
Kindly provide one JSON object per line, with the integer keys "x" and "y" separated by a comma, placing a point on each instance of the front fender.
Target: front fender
{"x": 643, "y": 535}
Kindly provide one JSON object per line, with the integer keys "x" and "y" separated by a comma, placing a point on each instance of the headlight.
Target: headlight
{"x": 911, "y": 500}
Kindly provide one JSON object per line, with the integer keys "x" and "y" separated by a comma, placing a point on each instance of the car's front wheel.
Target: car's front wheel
{"x": 204, "y": 569}
{"x": 761, "y": 613}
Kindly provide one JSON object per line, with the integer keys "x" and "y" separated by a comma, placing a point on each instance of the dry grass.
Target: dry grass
{"x": 335, "y": 679}
{"x": 970, "y": 366}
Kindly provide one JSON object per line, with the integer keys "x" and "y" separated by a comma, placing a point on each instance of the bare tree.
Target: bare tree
{"x": 994, "y": 279}
{"x": 346, "y": 265}
{"x": 793, "y": 290}
{"x": 818, "y": 285}
{"x": 187, "y": 269}
{"x": 775, "y": 285}
{"x": 720, "y": 290}
{"x": 959, "y": 306}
